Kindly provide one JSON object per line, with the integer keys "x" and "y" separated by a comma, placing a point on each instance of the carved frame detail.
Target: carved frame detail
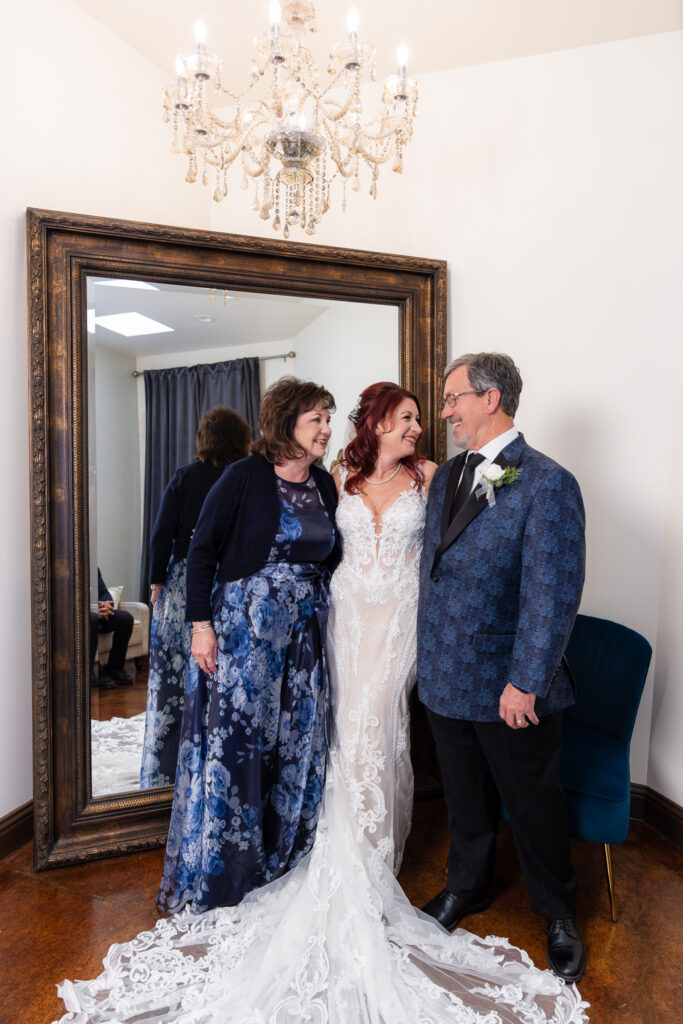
{"x": 62, "y": 249}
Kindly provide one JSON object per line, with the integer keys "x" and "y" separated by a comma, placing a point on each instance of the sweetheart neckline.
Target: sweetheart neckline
{"x": 378, "y": 520}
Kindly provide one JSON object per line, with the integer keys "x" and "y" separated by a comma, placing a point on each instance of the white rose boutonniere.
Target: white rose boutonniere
{"x": 493, "y": 477}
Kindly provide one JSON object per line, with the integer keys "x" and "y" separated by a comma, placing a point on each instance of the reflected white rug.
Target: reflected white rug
{"x": 117, "y": 754}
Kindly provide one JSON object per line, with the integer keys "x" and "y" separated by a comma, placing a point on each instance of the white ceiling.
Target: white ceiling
{"x": 440, "y": 34}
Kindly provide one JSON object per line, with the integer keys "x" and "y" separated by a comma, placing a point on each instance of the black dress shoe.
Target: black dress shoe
{"x": 104, "y": 682}
{"x": 449, "y": 909}
{"x": 121, "y": 677}
{"x": 566, "y": 954}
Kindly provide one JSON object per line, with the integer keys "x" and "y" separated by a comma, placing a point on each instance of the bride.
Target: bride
{"x": 335, "y": 941}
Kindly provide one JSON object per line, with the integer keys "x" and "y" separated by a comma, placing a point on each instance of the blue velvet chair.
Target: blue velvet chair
{"x": 609, "y": 663}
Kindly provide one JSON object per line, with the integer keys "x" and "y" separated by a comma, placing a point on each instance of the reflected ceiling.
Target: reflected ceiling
{"x": 236, "y": 318}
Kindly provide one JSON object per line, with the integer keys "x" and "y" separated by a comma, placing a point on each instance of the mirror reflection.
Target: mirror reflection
{"x": 160, "y": 357}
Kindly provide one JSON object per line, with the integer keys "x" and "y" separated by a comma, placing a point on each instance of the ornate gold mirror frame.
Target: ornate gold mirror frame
{"x": 63, "y": 249}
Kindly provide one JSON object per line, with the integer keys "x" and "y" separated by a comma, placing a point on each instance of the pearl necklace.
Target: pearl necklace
{"x": 378, "y": 483}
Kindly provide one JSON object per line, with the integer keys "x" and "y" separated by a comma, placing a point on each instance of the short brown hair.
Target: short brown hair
{"x": 222, "y": 436}
{"x": 281, "y": 405}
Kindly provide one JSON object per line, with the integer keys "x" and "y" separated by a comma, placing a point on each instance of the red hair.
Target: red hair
{"x": 376, "y": 404}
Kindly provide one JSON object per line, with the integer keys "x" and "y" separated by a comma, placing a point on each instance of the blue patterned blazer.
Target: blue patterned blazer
{"x": 500, "y": 588}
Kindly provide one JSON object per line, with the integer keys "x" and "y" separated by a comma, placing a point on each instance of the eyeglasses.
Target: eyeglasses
{"x": 453, "y": 397}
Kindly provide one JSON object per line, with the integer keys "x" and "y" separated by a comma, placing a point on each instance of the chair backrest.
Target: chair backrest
{"x": 609, "y": 663}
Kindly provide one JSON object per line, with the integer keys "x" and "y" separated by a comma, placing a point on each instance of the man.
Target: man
{"x": 501, "y": 578}
{"x": 108, "y": 619}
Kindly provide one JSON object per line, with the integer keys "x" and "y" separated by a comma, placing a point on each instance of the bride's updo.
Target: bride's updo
{"x": 375, "y": 405}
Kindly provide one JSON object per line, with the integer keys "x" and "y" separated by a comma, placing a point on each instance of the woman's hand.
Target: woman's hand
{"x": 154, "y": 593}
{"x": 205, "y": 648}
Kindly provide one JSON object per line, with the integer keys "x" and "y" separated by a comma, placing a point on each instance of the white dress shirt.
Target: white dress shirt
{"x": 490, "y": 451}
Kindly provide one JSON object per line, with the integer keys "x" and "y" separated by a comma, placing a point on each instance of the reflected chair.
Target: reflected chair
{"x": 609, "y": 663}
{"x": 138, "y": 645}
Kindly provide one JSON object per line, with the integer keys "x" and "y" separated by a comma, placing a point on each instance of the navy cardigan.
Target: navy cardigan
{"x": 237, "y": 527}
{"x": 178, "y": 513}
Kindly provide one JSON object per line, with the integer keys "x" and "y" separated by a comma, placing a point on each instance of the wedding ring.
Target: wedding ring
{"x": 519, "y": 721}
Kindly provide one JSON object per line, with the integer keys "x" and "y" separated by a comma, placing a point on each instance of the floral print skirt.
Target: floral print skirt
{"x": 169, "y": 656}
{"x": 251, "y": 765}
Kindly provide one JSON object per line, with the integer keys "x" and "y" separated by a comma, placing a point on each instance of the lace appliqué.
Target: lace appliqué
{"x": 374, "y": 595}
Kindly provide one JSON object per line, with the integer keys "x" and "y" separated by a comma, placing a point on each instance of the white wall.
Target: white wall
{"x": 115, "y": 539}
{"x": 551, "y": 184}
{"x": 83, "y": 132}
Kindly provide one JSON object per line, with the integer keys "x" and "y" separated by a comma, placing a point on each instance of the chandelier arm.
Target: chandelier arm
{"x": 334, "y": 111}
{"x": 260, "y": 165}
{"x": 222, "y": 160}
{"x": 345, "y": 169}
{"x": 231, "y": 135}
{"x": 371, "y": 134}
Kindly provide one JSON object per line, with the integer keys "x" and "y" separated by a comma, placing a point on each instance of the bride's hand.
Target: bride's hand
{"x": 205, "y": 650}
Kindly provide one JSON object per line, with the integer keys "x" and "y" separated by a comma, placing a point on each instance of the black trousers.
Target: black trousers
{"x": 121, "y": 625}
{"x": 478, "y": 761}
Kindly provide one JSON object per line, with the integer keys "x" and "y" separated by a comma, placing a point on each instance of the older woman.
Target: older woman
{"x": 222, "y": 437}
{"x": 251, "y": 764}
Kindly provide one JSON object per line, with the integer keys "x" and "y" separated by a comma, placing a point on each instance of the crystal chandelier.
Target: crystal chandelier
{"x": 298, "y": 136}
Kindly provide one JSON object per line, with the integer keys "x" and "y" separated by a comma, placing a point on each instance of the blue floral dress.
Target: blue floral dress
{"x": 169, "y": 656}
{"x": 251, "y": 763}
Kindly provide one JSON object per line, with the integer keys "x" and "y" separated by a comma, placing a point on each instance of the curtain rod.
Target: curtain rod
{"x": 262, "y": 359}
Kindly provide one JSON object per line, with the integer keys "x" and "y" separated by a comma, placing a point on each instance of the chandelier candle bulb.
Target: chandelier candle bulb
{"x": 301, "y": 139}
{"x": 402, "y": 57}
{"x": 352, "y": 22}
{"x": 200, "y": 33}
{"x": 352, "y": 26}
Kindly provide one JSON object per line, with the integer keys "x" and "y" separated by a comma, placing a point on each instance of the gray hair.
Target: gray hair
{"x": 491, "y": 370}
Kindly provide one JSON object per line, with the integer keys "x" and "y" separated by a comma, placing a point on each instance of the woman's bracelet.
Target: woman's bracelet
{"x": 201, "y": 629}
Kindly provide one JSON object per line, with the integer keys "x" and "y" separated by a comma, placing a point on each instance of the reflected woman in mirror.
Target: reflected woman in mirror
{"x": 336, "y": 940}
{"x": 222, "y": 437}
{"x": 253, "y": 744}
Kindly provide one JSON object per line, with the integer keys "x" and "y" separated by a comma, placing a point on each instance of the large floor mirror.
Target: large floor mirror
{"x": 114, "y": 307}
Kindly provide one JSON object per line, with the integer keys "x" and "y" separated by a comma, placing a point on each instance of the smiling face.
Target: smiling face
{"x": 399, "y": 433}
{"x": 471, "y": 415}
{"x": 312, "y": 431}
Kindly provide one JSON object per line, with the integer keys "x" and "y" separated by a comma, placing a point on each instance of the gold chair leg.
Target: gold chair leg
{"x": 610, "y": 882}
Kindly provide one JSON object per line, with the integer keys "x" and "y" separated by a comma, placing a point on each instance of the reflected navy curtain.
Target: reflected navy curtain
{"x": 175, "y": 401}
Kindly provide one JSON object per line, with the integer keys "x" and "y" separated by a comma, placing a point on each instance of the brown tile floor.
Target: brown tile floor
{"x": 60, "y": 923}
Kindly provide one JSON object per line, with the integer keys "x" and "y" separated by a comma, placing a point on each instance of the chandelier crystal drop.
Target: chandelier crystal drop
{"x": 300, "y": 135}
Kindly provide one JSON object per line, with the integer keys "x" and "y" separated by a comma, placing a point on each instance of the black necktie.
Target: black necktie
{"x": 464, "y": 488}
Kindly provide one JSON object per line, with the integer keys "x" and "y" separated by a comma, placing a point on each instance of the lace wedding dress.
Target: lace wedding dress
{"x": 335, "y": 941}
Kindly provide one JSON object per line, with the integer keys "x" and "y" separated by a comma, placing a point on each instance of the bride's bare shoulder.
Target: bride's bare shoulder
{"x": 428, "y": 469}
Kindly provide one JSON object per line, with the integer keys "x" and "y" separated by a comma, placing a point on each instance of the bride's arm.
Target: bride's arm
{"x": 428, "y": 470}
